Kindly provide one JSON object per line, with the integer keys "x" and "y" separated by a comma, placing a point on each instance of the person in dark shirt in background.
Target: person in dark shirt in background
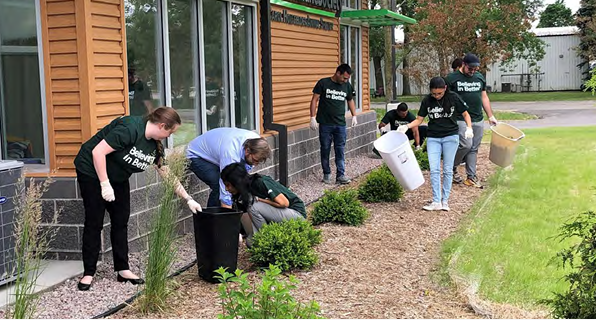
{"x": 139, "y": 95}
{"x": 399, "y": 116}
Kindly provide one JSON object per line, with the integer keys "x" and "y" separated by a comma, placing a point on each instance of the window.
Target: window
{"x": 21, "y": 100}
{"x": 229, "y": 69}
{"x": 351, "y": 4}
{"x": 201, "y": 54}
{"x": 350, "y": 42}
{"x": 145, "y": 56}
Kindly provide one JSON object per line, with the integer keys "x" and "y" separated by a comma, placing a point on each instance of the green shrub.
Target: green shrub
{"x": 271, "y": 299}
{"x": 287, "y": 244}
{"x": 380, "y": 186}
{"x": 341, "y": 207}
{"x": 422, "y": 157}
{"x": 579, "y": 302}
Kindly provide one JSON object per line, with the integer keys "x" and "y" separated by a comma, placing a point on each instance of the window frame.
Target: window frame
{"x": 38, "y": 50}
{"x": 347, "y": 58}
{"x": 230, "y": 72}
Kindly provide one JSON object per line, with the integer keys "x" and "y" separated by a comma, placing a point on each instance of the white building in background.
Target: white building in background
{"x": 557, "y": 71}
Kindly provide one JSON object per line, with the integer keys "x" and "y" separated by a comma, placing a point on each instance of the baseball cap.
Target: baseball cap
{"x": 472, "y": 60}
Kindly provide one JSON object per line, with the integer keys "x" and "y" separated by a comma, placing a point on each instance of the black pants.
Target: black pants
{"x": 95, "y": 207}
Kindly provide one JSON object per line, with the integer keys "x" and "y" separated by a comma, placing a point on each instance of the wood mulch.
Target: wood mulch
{"x": 383, "y": 269}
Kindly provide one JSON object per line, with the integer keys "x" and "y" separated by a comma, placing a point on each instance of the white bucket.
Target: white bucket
{"x": 396, "y": 151}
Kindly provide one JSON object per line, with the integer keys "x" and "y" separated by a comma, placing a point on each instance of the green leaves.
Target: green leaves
{"x": 341, "y": 207}
{"x": 271, "y": 299}
{"x": 289, "y": 245}
{"x": 579, "y": 302}
{"x": 380, "y": 186}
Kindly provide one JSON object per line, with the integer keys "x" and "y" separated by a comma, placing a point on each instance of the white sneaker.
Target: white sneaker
{"x": 435, "y": 206}
{"x": 445, "y": 207}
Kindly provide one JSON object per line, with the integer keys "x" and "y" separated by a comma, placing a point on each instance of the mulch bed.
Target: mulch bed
{"x": 383, "y": 269}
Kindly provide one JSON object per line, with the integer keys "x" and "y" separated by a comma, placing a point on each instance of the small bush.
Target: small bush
{"x": 380, "y": 186}
{"x": 287, "y": 244}
{"x": 271, "y": 299}
{"x": 341, "y": 207}
{"x": 422, "y": 157}
{"x": 579, "y": 302}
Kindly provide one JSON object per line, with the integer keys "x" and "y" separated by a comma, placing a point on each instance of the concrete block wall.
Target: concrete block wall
{"x": 64, "y": 195}
{"x": 8, "y": 190}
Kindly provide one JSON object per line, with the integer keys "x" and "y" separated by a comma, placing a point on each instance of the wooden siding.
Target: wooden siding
{"x": 365, "y": 64}
{"x": 300, "y": 57}
{"x": 85, "y": 74}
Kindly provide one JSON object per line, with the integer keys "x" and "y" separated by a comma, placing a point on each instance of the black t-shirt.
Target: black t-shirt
{"x": 332, "y": 101}
{"x": 267, "y": 188}
{"x": 442, "y": 114}
{"x": 134, "y": 152}
{"x": 392, "y": 117}
{"x": 138, "y": 93}
{"x": 470, "y": 90}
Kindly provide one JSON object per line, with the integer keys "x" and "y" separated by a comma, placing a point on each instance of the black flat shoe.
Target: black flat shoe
{"x": 133, "y": 281}
{"x": 84, "y": 286}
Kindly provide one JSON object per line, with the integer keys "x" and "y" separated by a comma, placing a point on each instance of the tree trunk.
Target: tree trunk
{"x": 378, "y": 73}
{"x": 406, "y": 91}
{"x": 389, "y": 68}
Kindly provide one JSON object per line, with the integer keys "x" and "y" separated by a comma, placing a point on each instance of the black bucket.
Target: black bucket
{"x": 216, "y": 240}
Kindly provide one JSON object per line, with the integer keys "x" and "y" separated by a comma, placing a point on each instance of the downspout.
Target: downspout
{"x": 267, "y": 82}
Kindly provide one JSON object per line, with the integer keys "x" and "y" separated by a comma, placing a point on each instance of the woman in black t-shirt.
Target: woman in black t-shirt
{"x": 265, "y": 199}
{"x": 104, "y": 165}
{"x": 442, "y": 107}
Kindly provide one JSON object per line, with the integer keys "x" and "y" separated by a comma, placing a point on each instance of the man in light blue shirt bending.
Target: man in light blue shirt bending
{"x": 212, "y": 151}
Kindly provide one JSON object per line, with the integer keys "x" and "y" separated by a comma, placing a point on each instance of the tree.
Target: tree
{"x": 556, "y": 15}
{"x": 376, "y": 44}
{"x": 587, "y": 31}
{"x": 495, "y": 30}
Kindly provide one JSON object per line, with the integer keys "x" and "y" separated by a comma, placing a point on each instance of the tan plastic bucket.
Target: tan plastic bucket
{"x": 503, "y": 143}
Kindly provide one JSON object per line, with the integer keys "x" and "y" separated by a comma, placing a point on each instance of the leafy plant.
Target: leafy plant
{"x": 579, "y": 302}
{"x": 271, "y": 299}
{"x": 32, "y": 243}
{"x": 341, "y": 207}
{"x": 162, "y": 249}
{"x": 380, "y": 186}
{"x": 287, "y": 244}
{"x": 422, "y": 157}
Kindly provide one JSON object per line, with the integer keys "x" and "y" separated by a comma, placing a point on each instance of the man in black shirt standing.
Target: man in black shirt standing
{"x": 329, "y": 104}
{"x": 139, "y": 95}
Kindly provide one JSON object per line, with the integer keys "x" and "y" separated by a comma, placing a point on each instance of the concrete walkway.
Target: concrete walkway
{"x": 53, "y": 273}
{"x": 551, "y": 113}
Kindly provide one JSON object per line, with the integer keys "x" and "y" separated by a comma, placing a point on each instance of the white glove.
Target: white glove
{"x": 211, "y": 110}
{"x": 313, "y": 123}
{"x": 194, "y": 206}
{"x": 469, "y": 133}
{"x": 354, "y": 121}
{"x": 418, "y": 148}
{"x": 385, "y": 128}
{"x": 493, "y": 121}
{"x": 107, "y": 192}
{"x": 403, "y": 128}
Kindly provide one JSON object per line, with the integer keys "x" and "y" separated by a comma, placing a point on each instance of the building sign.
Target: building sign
{"x": 285, "y": 17}
{"x": 330, "y": 5}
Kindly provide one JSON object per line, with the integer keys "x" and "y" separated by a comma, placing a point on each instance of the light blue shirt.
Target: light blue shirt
{"x": 221, "y": 146}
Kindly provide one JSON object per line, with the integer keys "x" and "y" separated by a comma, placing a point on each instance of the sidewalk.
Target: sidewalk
{"x": 54, "y": 273}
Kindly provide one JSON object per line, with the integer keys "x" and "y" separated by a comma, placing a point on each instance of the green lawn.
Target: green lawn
{"x": 185, "y": 134}
{"x": 508, "y": 97}
{"x": 501, "y": 115}
{"x": 506, "y": 242}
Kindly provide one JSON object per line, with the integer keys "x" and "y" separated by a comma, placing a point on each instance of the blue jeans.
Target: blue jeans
{"x": 208, "y": 173}
{"x": 446, "y": 146}
{"x": 337, "y": 134}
